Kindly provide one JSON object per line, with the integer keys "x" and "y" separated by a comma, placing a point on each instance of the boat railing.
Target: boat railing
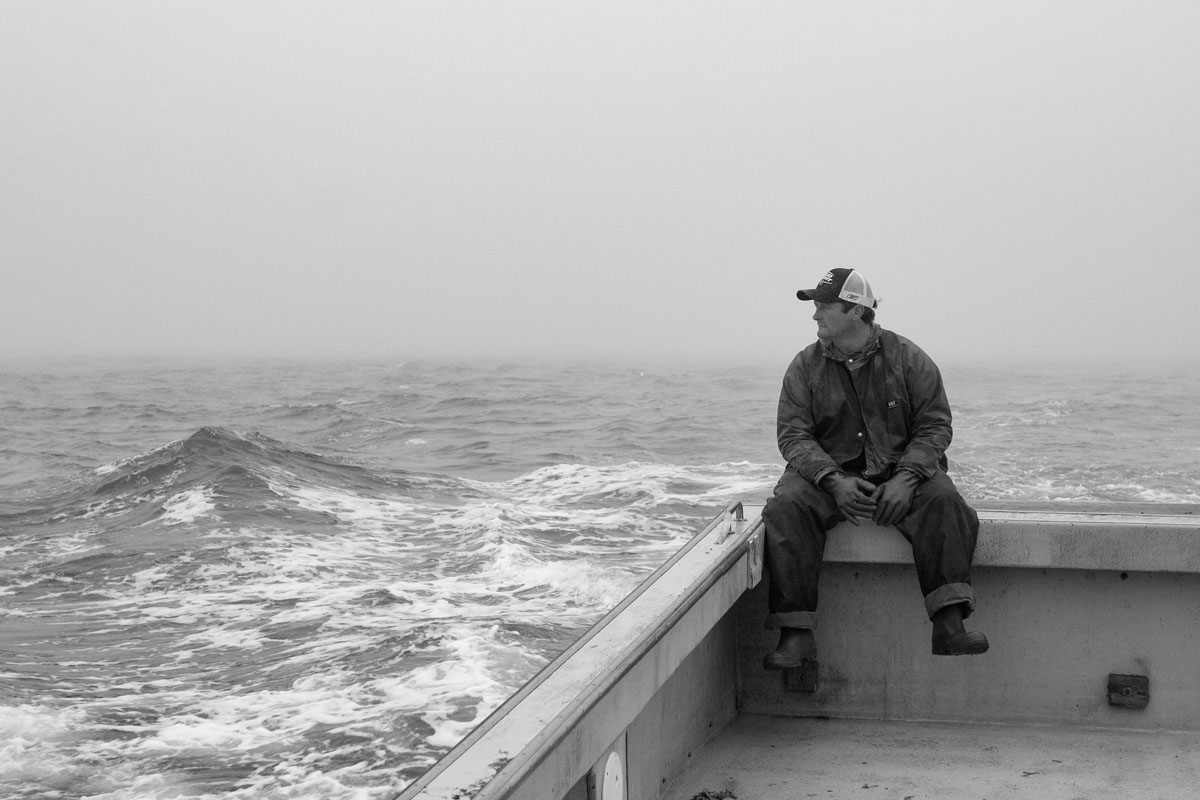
{"x": 546, "y": 739}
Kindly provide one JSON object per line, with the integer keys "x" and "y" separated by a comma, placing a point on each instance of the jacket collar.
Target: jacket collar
{"x": 837, "y": 354}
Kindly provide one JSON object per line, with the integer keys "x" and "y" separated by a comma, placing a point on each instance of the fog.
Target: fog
{"x": 1017, "y": 180}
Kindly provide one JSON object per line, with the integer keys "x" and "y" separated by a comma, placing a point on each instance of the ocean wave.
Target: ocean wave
{"x": 213, "y": 471}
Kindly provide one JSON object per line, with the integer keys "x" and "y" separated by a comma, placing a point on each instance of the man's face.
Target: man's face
{"x": 832, "y": 321}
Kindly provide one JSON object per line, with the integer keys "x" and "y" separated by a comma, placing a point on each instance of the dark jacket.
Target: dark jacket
{"x": 892, "y": 411}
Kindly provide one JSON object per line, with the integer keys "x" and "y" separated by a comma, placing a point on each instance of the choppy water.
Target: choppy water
{"x": 287, "y": 580}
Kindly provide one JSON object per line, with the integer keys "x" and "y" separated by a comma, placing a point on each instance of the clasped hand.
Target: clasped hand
{"x": 886, "y": 503}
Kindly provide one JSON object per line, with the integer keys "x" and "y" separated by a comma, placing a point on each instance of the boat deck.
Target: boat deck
{"x": 779, "y": 758}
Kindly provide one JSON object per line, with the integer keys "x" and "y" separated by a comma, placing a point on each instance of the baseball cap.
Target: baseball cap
{"x": 841, "y": 284}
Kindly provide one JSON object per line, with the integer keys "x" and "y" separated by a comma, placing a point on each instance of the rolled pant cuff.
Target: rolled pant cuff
{"x": 792, "y": 619}
{"x": 948, "y": 595}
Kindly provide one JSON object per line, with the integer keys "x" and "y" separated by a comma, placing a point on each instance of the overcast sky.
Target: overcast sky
{"x": 635, "y": 179}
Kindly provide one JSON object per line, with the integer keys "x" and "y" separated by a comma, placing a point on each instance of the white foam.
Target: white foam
{"x": 143, "y": 580}
{"x": 31, "y": 723}
{"x": 33, "y": 741}
{"x": 514, "y": 571}
{"x": 347, "y": 507}
{"x": 99, "y": 509}
{"x": 640, "y": 485}
{"x": 225, "y": 637}
{"x": 198, "y": 734}
{"x": 177, "y": 614}
{"x": 465, "y": 679}
{"x": 188, "y": 506}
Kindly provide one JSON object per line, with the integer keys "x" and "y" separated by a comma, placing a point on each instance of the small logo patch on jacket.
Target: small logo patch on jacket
{"x": 893, "y": 403}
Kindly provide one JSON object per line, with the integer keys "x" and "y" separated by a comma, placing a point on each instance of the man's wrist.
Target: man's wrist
{"x": 829, "y": 479}
{"x": 914, "y": 478}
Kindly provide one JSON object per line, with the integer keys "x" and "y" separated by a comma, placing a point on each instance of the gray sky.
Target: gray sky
{"x": 403, "y": 179}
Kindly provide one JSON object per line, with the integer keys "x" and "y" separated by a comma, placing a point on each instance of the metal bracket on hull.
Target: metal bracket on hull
{"x": 1128, "y": 691}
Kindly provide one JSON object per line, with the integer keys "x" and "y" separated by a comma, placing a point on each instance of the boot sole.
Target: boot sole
{"x": 774, "y": 663}
{"x": 973, "y": 647}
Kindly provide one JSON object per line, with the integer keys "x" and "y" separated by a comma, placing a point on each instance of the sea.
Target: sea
{"x": 310, "y": 579}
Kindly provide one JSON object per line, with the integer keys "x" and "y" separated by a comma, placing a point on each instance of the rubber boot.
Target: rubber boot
{"x": 950, "y": 638}
{"x": 795, "y": 646}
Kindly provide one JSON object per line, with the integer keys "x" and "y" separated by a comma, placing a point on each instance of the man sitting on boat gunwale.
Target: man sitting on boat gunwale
{"x": 863, "y": 425}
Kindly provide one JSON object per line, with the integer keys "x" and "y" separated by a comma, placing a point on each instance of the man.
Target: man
{"x": 863, "y": 425}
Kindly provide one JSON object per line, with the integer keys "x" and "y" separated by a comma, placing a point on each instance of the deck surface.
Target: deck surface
{"x": 779, "y": 758}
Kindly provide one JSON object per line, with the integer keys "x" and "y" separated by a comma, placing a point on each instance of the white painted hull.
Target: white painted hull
{"x": 1066, "y": 598}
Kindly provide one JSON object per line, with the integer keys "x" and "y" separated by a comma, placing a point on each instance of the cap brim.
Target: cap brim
{"x": 821, "y": 294}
